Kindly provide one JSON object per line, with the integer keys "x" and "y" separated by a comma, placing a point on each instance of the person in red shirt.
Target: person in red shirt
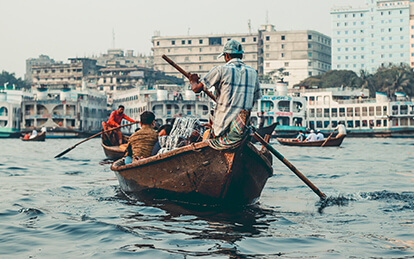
{"x": 115, "y": 120}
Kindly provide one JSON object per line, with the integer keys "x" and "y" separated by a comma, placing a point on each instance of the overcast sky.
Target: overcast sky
{"x": 65, "y": 29}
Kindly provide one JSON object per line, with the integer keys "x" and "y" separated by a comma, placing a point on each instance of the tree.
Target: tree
{"x": 9, "y": 80}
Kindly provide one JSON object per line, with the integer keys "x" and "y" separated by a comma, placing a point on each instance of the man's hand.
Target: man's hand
{"x": 196, "y": 86}
{"x": 194, "y": 78}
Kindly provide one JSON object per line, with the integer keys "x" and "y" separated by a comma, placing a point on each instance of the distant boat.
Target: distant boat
{"x": 332, "y": 142}
{"x": 198, "y": 173}
{"x": 39, "y": 137}
{"x": 111, "y": 149}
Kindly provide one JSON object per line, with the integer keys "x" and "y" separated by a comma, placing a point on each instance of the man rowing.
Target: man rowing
{"x": 237, "y": 88}
{"x": 115, "y": 120}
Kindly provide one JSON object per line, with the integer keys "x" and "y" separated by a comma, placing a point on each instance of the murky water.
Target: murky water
{"x": 72, "y": 207}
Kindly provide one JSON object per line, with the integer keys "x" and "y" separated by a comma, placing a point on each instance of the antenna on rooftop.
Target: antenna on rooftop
{"x": 188, "y": 31}
{"x": 267, "y": 17}
{"x": 249, "y": 24}
{"x": 113, "y": 38}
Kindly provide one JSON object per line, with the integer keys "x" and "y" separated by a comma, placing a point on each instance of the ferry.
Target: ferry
{"x": 362, "y": 116}
{"x": 10, "y": 110}
{"x": 275, "y": 106}
{"x": 166, "y": 101}
{"x": 66, "y": 113}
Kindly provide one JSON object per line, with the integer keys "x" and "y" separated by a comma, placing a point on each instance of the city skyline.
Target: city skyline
{"x": 68, "y": 29}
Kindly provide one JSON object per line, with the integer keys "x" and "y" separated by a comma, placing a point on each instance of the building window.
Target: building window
{"x": 189, "y": 41}
{"x": 173, "y": 42}
{"x": 243, "y": 39}
{"x": 282, "y": 37}
{"x": 286, "y": 64}
{"x": 254, "y": 39}
{"x": 282, "y": 46}
{"x": 158, "y": 43}
{"x": 309, "y": 37}
{"x": 267, "y": 38}
{"x": 310, "y": 73}
{"x": 183, "y": 42}
{"x": 200, "y": 41}
{"x": 282, "y": 55}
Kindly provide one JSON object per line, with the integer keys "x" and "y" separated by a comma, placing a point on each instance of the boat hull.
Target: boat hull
{"x": 332, "y": 142}
{"x": 199, "y": 173}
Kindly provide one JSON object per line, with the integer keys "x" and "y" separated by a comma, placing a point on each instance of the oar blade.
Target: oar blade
{"x": 64, "y": 152}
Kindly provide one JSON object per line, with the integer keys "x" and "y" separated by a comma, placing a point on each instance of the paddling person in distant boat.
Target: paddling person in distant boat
{"x": 237, "y": 88}
{"x": 115, "y": 120}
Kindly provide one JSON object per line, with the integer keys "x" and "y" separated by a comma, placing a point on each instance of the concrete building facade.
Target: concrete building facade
{"x": 41, "y": 60}
{"x": 300, "y": 53}
{"x": 123, "y": 58}
{"x": 374, "y": 35}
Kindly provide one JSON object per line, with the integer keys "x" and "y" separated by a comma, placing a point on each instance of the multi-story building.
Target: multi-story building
{"x": 299, "y": 53}
{"x": 198, "y": 54}
{"x": 377, "y": 34}
{"x": 125, "y": 59}
{"x": 58, "y": 76}
{"x": 41, "y": 60}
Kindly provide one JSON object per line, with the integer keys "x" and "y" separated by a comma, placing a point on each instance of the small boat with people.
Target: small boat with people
{"x": 197, "y": 171}
{"x": 39, "y": 137}
{"x": 331, "y": 142}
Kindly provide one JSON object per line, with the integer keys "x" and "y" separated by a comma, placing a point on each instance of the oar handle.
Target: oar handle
{"x": 182, "y": 71}
{"x": 289, "y": 165}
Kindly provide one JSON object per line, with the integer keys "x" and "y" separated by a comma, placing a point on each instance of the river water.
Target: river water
{"x": 72, "y": 207}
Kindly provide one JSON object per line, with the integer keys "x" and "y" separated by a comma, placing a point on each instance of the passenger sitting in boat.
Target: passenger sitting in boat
{"x": 141, "y": 143}
{"x": 114, "y": 121}
{"x": 163, "y": 131}
{"x": 311, "y": 136}
{"x": 26, "y": 136}
{"x": 33, "y": 135}
{"x": 237, "y": 88}
{"x": 319, "y": 135}
{"x": 301, "y": 137}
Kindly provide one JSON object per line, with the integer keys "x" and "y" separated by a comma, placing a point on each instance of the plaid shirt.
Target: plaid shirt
{"x": 237, "y": 87}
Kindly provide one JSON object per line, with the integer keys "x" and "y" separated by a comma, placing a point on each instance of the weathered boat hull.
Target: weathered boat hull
{"x": 332, "y": 142}
{"x": 199, "y": 173}
{"x": 40, "y": 137}
{"x": 111, "y": 151}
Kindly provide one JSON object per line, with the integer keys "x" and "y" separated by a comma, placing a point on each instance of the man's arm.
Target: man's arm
{"x": 127, "y": 118}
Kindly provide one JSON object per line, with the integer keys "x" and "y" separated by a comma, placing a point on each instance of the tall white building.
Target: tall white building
{"x": 300, "y": 53}
{"x": 376, "y": 34}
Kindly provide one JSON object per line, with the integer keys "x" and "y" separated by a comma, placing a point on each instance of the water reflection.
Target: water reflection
{"x": 184, "y": 223}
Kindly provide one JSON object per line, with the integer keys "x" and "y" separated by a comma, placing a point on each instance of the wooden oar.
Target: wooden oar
{"x": 323, "y": 144}
{"x": 260, "y": 139}
{"x": 289, "y": 165}
{"x": 91, "y": 137}
{"x": 182, "y": 71}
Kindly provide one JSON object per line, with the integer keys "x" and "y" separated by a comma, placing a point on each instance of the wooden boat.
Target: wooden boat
{"x": 200, "y": 174}
{"x": 268, "y": 130}
{"x": 39, "y": 137}
{"x": 332, "y": 142}
{"x": 111, "y": 149}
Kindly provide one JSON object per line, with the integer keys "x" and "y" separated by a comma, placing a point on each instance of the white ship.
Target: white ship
{"x": 288, "y": 112}
{"x": 364, "y": 117}
{"x": 165, "y": 101}
{"x": 10, "y": 110}
{"x": 65, "y": 112}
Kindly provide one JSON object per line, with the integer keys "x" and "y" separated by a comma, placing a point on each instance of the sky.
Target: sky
{"x": 65, "y": 29}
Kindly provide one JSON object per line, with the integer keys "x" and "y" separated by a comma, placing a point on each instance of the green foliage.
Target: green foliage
{"x": 8, "y": 80}
{"x": 387, "y": 80}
